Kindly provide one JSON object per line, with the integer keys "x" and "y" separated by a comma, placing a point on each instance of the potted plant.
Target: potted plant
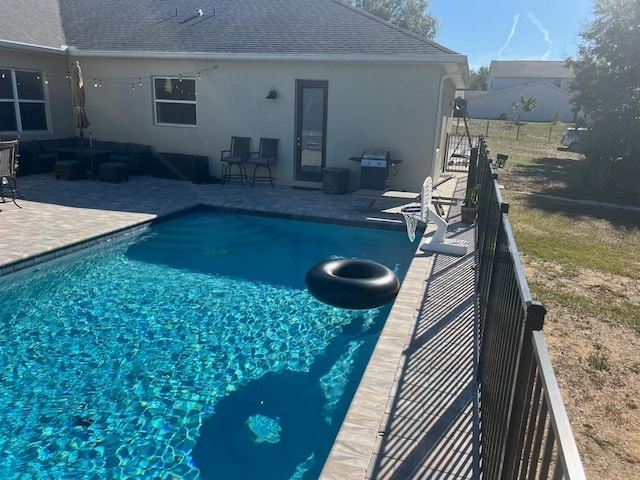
{"x": 470, "y": 205}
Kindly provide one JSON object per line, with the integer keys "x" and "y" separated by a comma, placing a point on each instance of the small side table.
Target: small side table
{"x": 69, "y": 169}
{"x": 114, "y": 172}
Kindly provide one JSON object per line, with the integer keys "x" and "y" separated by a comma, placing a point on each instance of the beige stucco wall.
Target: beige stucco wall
{"x": 370, "y": 105}
{"x": 446, "y": 107}
{"x": 390, "y": 106}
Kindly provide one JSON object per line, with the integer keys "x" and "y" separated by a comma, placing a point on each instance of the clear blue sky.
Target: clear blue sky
{"x": 486, "y": 30}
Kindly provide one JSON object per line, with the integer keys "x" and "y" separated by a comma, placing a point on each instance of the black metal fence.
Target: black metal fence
{"x": 458, "y": 152}
{"x": 525, "y": 431}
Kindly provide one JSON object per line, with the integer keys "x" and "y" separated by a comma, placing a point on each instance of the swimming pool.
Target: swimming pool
{"x": 188, "y": 350}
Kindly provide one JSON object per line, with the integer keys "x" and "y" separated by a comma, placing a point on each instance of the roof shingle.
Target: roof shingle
{"x": 231, "y": 27}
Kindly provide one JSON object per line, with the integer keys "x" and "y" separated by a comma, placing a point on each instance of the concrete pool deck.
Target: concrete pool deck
{"x": 414, "y": 415}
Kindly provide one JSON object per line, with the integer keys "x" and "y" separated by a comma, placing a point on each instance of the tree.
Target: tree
{"x": 479, "y": 78}
{"x": 528, "y": 103}
{"x": 607, "y": 77}
{"x": 514, "y": 109}
{"x": 409, "y": 14}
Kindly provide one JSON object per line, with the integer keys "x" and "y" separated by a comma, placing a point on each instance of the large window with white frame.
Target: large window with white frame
{"x": 22, "y": 102}
{"x": 175, "y": 101}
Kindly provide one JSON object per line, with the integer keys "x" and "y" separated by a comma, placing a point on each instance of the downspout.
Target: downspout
{"x": 438, "y": 134}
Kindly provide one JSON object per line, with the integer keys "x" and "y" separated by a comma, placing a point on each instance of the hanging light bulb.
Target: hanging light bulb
{"x": 140, "y": 81}
{"x": 133, "y": 86}
{"x": 95, "y": 83}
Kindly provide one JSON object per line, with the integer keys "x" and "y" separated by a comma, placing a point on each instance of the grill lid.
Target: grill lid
{"x": 376, "y": 154}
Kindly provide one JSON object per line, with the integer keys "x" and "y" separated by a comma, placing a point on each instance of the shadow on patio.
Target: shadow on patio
{"x": 430, "y": 428}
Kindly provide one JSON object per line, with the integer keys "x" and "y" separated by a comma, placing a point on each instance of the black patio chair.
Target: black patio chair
{"x": 238, "y": 155}
{"x": 267, "y": 156}
{"x": 8, "y": 169}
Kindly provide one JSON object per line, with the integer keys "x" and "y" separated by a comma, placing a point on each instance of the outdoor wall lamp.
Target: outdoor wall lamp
{"x": 272, "y": 94}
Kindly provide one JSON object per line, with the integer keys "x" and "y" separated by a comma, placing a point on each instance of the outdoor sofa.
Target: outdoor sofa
{"x": 40, "y": 156}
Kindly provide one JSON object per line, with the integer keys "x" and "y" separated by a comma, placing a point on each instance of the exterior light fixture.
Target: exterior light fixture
{"x": 272, "y": 94}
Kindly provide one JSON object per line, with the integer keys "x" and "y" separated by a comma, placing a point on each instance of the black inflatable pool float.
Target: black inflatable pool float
{"x": 352, "y": 283}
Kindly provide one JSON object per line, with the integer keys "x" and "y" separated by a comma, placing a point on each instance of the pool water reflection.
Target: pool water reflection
{"x": 147, "y": 357}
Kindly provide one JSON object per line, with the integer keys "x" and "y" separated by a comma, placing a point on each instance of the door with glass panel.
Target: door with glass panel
{"x": 311, "y": 129}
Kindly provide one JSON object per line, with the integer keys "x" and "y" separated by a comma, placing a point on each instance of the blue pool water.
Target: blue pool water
{"x": 190, "y": 350}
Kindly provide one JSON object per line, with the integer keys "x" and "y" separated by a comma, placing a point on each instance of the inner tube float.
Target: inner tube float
{"x": 352, "y": 283}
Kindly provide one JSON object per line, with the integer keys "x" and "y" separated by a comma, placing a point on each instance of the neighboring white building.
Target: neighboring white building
{"x": 508, "y": 81}
{"x": 186, "y": 76}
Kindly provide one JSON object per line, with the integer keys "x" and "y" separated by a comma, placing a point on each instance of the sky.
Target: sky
{"x": 486, "y": 30}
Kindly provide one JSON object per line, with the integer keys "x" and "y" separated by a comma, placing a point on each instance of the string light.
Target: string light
{"x": 132, "y": 80}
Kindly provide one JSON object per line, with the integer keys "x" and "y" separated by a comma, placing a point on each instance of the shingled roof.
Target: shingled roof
{"x": 224, "y": 27}
{"x": 32, "y": 22}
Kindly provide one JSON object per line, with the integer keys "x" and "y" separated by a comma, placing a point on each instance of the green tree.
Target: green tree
{"x": 409, "y": 14}
{"x": 528, "y": 103}
{"x": 607, "y": 77}
{"x": 514, "y": 110}
{"x": 479, "y": 78}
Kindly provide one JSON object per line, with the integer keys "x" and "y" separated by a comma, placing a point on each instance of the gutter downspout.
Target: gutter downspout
{"x": 438, "y": 134}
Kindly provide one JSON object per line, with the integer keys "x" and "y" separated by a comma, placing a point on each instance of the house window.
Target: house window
{"x": 22, "y": 104}
{"x": 175, "y": 101}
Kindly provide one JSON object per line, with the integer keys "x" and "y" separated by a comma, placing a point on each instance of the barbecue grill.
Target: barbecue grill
{"x": 374, "y": 169}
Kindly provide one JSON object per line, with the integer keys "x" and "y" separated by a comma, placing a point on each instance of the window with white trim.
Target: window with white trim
{"x": 22, "y": 103}
{"x": 174, "y": 100}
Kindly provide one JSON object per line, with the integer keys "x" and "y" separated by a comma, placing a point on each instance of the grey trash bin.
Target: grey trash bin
{"x": 335, "y": 180}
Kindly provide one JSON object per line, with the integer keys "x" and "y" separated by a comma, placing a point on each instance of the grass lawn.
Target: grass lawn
{"x": 582, "y": 260}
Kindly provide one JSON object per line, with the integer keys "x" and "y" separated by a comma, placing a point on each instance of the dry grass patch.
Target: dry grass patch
{"x": 583, "y": 262}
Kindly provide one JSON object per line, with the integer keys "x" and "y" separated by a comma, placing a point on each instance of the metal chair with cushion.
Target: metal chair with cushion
{"x": 8, "y": 169}
{"x": 238, "y": 155}
{"x": 267, "y": 156}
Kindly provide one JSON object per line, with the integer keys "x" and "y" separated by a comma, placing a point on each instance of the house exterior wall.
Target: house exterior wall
{"x": 370, "y": 105}
{"x": 502, "y": 83}
{"x": 498, "y": 104}
{"x": 57, "y": 90}
{"x": 446, "y": 122}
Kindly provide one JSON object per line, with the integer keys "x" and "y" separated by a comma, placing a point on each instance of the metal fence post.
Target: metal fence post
{"x": 473, "y": 169}
{"x": 534, "y": 320}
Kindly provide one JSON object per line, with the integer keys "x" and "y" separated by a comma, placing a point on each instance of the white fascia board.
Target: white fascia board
{"x": 26, "y": 47}
{"x": 442, "y": 59}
